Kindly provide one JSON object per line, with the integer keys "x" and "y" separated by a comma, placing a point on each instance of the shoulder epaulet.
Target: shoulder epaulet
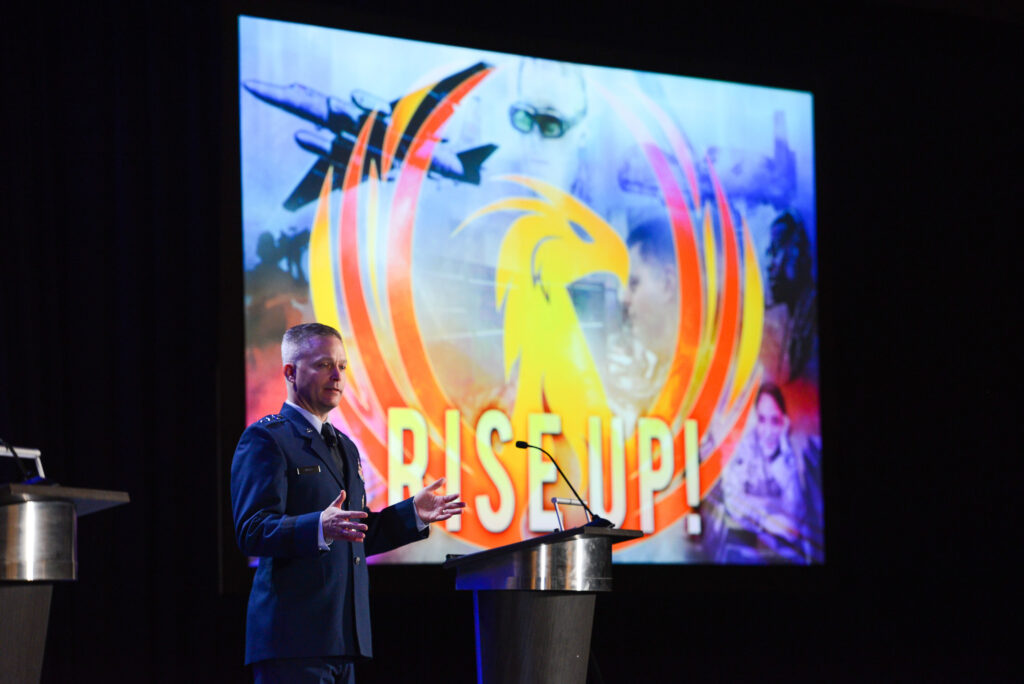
{"x": 272, "y": 419}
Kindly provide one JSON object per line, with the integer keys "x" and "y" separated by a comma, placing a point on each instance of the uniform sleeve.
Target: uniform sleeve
{"x": 732, "y": 485}
{"x": 393, "y": 527}
{"x": 390, "y": 528}
{"x": 787, "y": 472}
{"x": 259, "y": 496}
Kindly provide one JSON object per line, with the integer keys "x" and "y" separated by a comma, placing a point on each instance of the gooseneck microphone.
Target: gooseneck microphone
{"x": 595, "y": 520}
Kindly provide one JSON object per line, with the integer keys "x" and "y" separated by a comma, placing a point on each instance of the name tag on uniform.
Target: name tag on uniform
{"x": 308, "y": 470}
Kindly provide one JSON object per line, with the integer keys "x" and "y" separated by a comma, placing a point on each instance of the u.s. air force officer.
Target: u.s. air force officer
{"x": 299, "y": 503}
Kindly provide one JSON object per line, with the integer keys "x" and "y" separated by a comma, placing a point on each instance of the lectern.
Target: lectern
{"x": 534, "y": 603}
{"x": 38, "y": 546}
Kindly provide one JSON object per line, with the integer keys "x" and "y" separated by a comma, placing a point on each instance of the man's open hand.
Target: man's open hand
{"x": 433, "y": 507}
{"x": 341, "y": 524}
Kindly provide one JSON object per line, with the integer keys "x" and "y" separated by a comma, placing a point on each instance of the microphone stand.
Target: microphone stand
{"x": 595, "y": 520}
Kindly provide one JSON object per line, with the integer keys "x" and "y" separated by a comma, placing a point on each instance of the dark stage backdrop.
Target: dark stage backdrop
{"x": 119, "y": 360}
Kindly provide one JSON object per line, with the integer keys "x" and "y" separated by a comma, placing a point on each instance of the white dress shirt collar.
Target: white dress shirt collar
{"x": 317, "y": 424}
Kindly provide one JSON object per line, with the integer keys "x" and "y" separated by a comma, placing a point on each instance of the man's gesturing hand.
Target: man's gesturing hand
{"x": 341, "y": 524}
{"x": 433, "y": 507}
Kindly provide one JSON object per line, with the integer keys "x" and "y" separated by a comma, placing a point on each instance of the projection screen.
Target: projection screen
{"x": 617, "y": 266}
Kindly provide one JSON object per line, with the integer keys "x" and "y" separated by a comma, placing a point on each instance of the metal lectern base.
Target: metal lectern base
{"x": 24, "y": 614}
{"x": 38, "y": 545}
{"x": 535, "y": 601}
{"x": 533, "y": 636}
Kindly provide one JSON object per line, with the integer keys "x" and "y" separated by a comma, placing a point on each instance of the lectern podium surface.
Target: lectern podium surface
{"x": 579, "y": 559}
{"x": 534, "y": 603}
{"x": 86, "y": 501}
{"x": 38, "y": 546}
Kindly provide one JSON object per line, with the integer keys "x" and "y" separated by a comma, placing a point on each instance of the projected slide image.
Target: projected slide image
{"x": 618, "y": 266}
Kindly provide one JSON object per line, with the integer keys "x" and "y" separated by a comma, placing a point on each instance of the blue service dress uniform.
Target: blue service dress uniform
{"x": 306, "y": 602}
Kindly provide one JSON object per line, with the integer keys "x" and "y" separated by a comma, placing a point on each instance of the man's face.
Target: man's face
{"x": 783, "y": 256}
{"x": 649, "y": 299}
{"x": 554, "y": 92}
{"x": 317, "y": 379}
{"x": 770, "y": 423}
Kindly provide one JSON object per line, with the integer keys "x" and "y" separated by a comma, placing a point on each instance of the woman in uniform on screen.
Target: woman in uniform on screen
{"x": 761, "y": 488}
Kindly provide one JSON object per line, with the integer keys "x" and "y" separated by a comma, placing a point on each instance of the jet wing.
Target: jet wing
{"x": 308, "y": 188}
{"x": 432, "y": 99}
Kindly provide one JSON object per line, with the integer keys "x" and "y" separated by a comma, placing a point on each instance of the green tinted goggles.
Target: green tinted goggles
{"x": 549, "y": 122}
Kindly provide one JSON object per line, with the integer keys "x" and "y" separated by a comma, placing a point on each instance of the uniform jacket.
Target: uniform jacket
{"x": 305, "y": 602}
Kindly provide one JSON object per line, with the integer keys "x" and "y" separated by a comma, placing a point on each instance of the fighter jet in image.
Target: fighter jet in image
{"x": 339, "y": 121}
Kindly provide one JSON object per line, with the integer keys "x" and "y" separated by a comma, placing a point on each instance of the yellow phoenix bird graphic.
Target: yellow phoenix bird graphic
{"x": 550, "y": 241}
{"x": 556, "y": 241}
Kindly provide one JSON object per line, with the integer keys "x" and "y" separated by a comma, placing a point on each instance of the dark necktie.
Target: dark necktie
{"x": 327, "y": 431}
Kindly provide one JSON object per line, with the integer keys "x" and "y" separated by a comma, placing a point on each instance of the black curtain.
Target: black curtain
{"x": 110, "y": 316}
{"x": 118, "y": 356}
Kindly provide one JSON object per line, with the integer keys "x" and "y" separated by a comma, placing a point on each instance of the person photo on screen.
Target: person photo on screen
{"x": 761, "y": 487}
{"x": 639, "y": 355}
{"x": 299, "y": 505}
{"x": 791, "y": 323}
{"x": 549, "y": 118}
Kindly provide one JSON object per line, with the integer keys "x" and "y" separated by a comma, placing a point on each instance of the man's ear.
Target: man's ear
{"x": 289, "y": 372}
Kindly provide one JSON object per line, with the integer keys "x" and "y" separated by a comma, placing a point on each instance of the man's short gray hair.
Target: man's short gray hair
{"x": 296, "y": 337}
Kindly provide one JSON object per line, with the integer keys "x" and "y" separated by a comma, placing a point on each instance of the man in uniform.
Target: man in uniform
{"x": 299, "y": 504}
{"x": 641, "y": 353}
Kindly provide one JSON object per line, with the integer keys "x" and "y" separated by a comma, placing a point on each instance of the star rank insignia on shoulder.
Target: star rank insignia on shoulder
{"x": 272, "y": 419}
